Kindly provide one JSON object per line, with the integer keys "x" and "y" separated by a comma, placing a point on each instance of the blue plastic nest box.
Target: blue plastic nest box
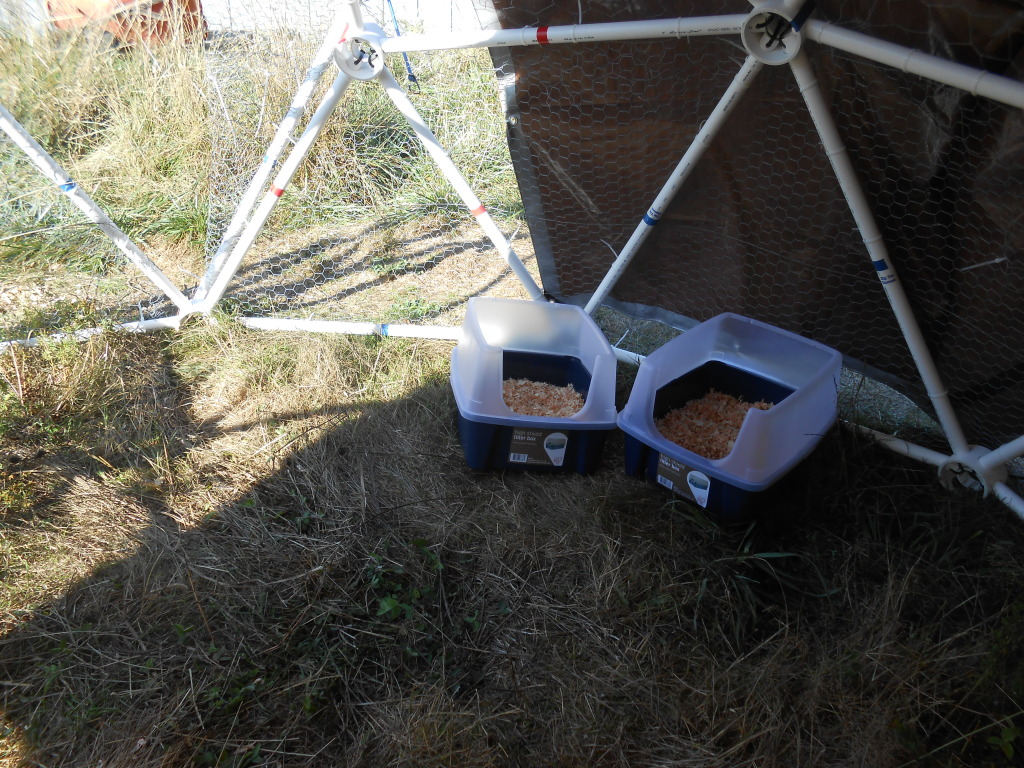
{"x": 750, "y": 360}
{"x": 556, "y": 344}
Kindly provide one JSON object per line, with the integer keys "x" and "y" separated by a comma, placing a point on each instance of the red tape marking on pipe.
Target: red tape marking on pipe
{"x": 479, "y": 211}
{"x": 542, "y": 35}
{"x": 277, "y": 192}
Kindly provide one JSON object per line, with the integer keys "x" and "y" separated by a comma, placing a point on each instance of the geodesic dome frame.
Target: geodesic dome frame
{"x": 733, "y": 159}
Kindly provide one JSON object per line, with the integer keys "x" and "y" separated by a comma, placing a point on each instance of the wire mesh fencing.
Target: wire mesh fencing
{"x": 566, "y": 146}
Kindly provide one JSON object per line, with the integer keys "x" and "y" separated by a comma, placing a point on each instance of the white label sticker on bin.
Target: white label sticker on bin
{"x": 687, "y": 482}
{"x": 537, "y": 447}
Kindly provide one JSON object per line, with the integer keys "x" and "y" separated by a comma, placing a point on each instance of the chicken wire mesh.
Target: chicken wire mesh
{"x": 568, "y": 145}
{"x": 60, "y": 272}
{"x": 370, "y": 229}
{"x": 761, "y": 227}
{"x": 100, "y": 121}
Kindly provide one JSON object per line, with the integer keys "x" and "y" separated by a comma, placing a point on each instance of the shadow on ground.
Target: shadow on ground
{"x": 365, "y": 600}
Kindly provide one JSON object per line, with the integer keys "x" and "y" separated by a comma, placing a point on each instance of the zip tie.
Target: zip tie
{"x": 999, "y": 260}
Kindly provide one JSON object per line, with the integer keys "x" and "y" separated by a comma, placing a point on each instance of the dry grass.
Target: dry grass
{"x": 228, "y": 548}
{"x": 246, "y": 549}
{"x": 423, "y": 270}
{"x": 163, "y": 140}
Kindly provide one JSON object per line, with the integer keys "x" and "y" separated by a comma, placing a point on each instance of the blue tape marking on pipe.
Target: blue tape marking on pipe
{"x": 881, "y": 265}
{"x": 383, "y": 329}
{"x": 68, "y": 186}
{"x": 652, "y": 216}
{"x": 805, "y": 11}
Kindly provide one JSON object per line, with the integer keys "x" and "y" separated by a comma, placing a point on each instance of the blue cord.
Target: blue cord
{"x": 408, "y": 66}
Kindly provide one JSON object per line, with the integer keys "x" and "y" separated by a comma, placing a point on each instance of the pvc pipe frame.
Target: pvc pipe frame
{"x": 877, "y": 251}
{"x": 407, "y": 331}
{"x": 384, "y": 330}
{"x": 248, "y": 235}
{"x": 137, "y": 326}
{"x": 902, "y": 447}
{"x": 739, "y": 85}
{"x": 656, "y": 29}
{"x": 220, "y": 273}
{"x": 49, "y": 167}
{"x": 979, "y": 82}
{"x": 975, "y": 81}
{"x": 282, "y": 136}
{"x": 936, "y": 459}
{"x": 455, "y": 178}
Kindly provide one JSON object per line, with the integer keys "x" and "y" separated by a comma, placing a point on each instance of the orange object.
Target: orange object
{"x": 132, "y": 21}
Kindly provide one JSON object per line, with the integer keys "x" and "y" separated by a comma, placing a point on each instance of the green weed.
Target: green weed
{"x": 412, "y": 307}
{"x": 1005, "y": 740}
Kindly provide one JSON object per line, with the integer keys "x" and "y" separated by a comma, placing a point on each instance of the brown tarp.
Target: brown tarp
{"x": 762, "y": 227}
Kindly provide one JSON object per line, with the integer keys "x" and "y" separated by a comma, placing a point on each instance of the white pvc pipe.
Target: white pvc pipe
{"x": 282, "y": 137}
{"x": 1002, "y": 455}
{"x": 669, "y": 29}
{"x": 354, "y": 12}
{"x": 975, "y": 81}
{"x": 462, "y": 188}
{"x": 55, "y": 173}
{"x": 277, "y": 188}
{"x": 352, "y": 328}
{"x": 137, "y": 326}
{"x": 743, "y": 80}
{"x": 936, "y": 459}
{"x": 1005, "y": 494}
{"x": 902, "y": 447}
{"x": 632, "y": 358}
{"x": 397, "y": 330}
{"x": 877, "y": 251}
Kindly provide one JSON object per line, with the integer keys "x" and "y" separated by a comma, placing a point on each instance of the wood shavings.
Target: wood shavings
{"x": 708, "y": 426}
{"x": 537, "y": 398}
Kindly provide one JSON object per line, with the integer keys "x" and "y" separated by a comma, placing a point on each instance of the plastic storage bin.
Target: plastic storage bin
{"x": 553, "y": 343}
{"x": 744, "y": 358}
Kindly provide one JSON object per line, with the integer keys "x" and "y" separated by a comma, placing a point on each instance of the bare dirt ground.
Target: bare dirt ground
{"x": 417, "y": 272}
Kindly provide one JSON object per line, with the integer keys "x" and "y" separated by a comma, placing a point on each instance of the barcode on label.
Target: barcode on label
{"x": 666, "y": 482}
{"x": 518, "y": 458}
